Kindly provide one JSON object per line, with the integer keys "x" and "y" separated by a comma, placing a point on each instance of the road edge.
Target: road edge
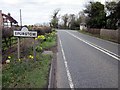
{"x": 53, "y": 67}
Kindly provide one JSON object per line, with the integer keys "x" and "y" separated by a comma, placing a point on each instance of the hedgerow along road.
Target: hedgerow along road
{"x": 86, "y": 62}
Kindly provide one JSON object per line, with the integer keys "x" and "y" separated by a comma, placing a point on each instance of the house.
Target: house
{"x": 7, "y": 20}
{"x": 1, "y": 20}
{"x": 83, "y": 26}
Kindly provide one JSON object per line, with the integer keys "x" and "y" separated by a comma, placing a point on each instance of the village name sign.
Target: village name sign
{"x": 25, "y": 33}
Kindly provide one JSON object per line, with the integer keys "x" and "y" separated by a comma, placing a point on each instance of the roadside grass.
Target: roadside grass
{"x": 40, "y": 77}
{"x": 27, "y": 73}
{"x": 98, "y": 36}
{"x": 49, "y": 42}
{"x": 0, "y": 74}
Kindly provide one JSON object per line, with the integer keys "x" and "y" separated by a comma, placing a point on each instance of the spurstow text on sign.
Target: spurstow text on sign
{"x": 25, "y": 33}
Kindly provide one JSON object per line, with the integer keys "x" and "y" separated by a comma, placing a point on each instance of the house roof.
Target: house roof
{"x": 10, "y": 18}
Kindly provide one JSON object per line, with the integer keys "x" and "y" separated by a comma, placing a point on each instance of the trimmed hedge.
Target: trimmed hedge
{"x": 42, "y": 30}
{"x": 94, "y": 31}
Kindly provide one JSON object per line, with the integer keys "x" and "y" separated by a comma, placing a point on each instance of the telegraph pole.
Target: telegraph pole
{"x": 19, "y": 37}
{"x": 20, "y": 18}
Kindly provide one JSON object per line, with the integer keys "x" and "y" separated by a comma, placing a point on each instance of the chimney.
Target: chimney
{"x": 8, "y": 14}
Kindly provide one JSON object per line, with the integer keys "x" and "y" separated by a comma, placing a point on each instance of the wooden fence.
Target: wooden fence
{"x": 113, "y": 35}
{"x": 110, "y": 34}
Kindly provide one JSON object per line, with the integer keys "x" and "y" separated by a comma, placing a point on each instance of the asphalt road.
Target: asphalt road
{"x": 86, "y": 62}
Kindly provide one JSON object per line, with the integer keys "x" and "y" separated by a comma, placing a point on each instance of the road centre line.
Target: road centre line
{"x": 115, "y": 56}
{"x": 66, "y": 66}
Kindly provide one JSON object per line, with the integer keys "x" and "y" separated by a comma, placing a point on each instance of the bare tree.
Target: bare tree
{"x": 65, "y": 20}
{"x": 55, "y": 19}
{"x": 71, "y": 20}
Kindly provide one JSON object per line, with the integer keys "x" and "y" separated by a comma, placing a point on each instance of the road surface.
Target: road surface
{"x": 86, "y": 62}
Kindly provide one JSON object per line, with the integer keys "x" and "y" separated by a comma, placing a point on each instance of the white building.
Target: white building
{"x": 83, "y": 26}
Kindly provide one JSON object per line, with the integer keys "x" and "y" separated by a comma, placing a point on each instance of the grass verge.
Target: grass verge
{"x": 27, "y": 73}
{"x": 49, "y": 43}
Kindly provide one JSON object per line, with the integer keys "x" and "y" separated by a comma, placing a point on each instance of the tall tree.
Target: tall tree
{"x": 82, "y": 18}
{"x": 111, "y": 14}
{"x": 96, "y": 14}
{"x": 118, "y": 14}
{"x": 55, "y": 19}
{"x": 71, "y": 21}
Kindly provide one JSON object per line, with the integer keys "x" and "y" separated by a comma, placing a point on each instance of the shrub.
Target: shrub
{"x": 39, "y": 49}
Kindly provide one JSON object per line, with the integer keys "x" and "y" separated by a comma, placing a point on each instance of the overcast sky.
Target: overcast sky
{"x": 40, "y": 11}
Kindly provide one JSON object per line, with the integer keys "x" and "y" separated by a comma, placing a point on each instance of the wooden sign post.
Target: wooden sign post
{"x": 1, "y": 27}
{"x": 18, "y": 48}
{"x": 34, "y": 51}
{"x": 25, "y": 33}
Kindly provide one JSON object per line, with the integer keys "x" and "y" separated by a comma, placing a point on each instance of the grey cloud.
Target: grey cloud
{"x": 38, "y": 11}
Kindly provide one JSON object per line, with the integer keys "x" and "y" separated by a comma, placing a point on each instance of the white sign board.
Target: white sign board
{"x": 25, "y": 33}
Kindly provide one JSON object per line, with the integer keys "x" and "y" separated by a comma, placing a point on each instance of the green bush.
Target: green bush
{"x": 39, "y": 49}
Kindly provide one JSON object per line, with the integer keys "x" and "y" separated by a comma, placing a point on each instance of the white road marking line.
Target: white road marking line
{"x": 97, "y": 47}
{"x": 66, "y": 66}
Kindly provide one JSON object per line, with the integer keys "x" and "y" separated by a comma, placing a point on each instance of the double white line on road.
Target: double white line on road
{"x": 66, "y": 66}
{"x": 115, "y": 56}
